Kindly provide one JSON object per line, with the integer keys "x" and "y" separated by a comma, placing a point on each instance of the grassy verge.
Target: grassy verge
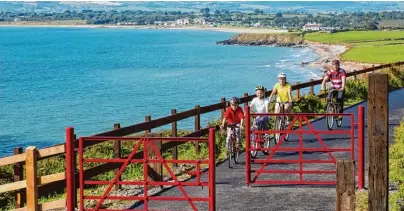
{"x": 356, "y": 91}
{"x": 366, "y": 46}
{"x": 396, "y": 174}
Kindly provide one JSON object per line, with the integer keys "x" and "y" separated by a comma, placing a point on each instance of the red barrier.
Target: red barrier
{"x": 147, "y": 144}
{"x": 252, "y": 175}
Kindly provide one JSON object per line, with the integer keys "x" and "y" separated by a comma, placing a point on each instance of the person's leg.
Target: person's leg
{"x": 287, "y": 110}
{"x": 238, "y": 137}
{"x": 329, "y": 95}
{"x": 340, "y": 99}
{"x": 228, "y": 137}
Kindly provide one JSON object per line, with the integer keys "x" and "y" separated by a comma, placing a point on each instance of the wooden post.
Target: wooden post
{"x": 297, "y": 92}
{"x": 245, "y": 95}
{"x": 311, "y": 87}
{"x": 197, "y": 126}
{"x": 117, "y": 154}
{"x": 224, "y": 109}
{"x": 31, "y": 178}
{"x": 174, "y": 150}
{"x": 155, "y": 169}
{"x": 355, "y": 74}
{"x": 18, "y": 176}
{"x": 345, "y": 185}
{"x": 147, "y": 119}
{"x": 378, "y": 134}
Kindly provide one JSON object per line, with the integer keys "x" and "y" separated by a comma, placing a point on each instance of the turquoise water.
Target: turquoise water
{"x": 52, "y": 78}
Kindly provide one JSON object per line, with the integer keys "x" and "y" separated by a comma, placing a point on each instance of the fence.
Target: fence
{"x": 56, "y": 182}
{"x": 300, "y": 150}
{"x": 151, "y": 154}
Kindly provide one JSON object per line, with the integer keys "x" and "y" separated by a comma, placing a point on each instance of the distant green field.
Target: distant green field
{"x": 375, "y": 54}
{"x": 354, "y": 36}
{"x": 366, "y": 46}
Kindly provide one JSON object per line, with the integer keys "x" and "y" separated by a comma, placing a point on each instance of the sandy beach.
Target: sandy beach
{"x": 328, "y": 52}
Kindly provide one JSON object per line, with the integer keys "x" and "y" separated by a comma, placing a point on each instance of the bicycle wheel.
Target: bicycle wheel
{"x": 277, "y": 127}
{"x": 267, "y": 144}
{"x": 253, "y": 144}
{"x": 330, "y": 119}
{"x": 284, "y": 126}
{"x": 236, "y": 154}
{"x": 339, "y": 121}
{"x": 230, "y": 148}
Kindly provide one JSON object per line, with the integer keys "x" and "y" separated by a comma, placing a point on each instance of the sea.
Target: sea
{"x": 90, "y": 78}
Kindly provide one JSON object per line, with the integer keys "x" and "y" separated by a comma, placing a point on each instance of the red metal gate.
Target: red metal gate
{"x": 252, "y": 175}
{"x": 147, "y": 144}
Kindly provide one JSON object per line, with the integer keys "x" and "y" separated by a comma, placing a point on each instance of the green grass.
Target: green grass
{"x": 366, "y": 46}
{"x": 375, "y": 54}
{"x": 354, "y": 36}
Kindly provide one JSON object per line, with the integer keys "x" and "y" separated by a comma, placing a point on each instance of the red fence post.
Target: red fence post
{"x": 353, "y": 136}
{"x": 70, "y": 178}
{"x": 212, "y": 170}
{"x": 117, "y": 154}
{"x": 247, "y": 146}
{"x": 361, "y": 154}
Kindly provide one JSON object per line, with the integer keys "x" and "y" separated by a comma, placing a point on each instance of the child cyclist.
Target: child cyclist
{"x": 234, "y": 116}
{"x": 260, "y": 105}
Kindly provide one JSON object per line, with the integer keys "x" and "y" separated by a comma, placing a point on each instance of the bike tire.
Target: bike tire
{"x": 330, "y": 119}
{"x": 267, "y": 144}
{"x": 253, "y": 143}
{"x": 230, "y": 151}
{"x": 277, "y": 127}
{"x": 339, "y": 122}
{"x": 284, "y": 129}
{"x": 236, "y": 155}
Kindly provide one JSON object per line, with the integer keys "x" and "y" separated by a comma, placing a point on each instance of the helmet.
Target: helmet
{"x": 259, "y": 87}
{"x": 235, "y": 100}
{"x": 335, "y": 61}
{"x": 282, "y": 75}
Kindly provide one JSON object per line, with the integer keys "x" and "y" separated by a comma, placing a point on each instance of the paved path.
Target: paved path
{"x": 232, "y": 193}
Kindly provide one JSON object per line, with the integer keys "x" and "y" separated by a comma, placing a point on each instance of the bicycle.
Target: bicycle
{"x": 333, "y": 108}
{"x": 232, "y": 150}
{"x": 280, "y": 123}
{"x": 254, "y": 142}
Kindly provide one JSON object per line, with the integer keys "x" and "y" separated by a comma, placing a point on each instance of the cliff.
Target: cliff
{"x": 274, "y": 39}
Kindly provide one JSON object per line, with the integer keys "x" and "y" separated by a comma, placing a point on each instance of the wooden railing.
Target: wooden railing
{"x": 57, "y": 182}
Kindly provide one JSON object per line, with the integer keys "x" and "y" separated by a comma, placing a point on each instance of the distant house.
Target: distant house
{"x": 199, "y": 21}
{"x": 158, "y": 23}
{"x": 327, "y": 28}
{"x": 183, "y": 21}
{"x": 311, "y": 27}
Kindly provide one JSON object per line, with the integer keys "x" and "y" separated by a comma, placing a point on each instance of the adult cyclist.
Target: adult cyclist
{"x": 337, "y": 76}
{"x": 283, "y": 90}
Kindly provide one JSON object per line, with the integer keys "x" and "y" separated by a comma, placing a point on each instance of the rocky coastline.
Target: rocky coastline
{"x": 326, "y": 52}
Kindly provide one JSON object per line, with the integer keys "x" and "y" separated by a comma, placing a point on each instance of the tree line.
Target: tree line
{"x": 355, "y": 20}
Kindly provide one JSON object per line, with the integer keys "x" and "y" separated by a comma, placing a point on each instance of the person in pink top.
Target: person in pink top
{"x": 337, "y": 76}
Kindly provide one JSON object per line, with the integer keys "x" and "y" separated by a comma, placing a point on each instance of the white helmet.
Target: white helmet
{"x": 282, "y": 75}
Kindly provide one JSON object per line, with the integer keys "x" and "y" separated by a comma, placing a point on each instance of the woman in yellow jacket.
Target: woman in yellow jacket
{"x": 283, "y": 90}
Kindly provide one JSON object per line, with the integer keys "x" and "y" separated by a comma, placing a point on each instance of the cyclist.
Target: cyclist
{"x": 260, "y": 105}
{"x": 234, "y": 115}
{"x": 337, "y": 76}
{"x": 283, "y": 90}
